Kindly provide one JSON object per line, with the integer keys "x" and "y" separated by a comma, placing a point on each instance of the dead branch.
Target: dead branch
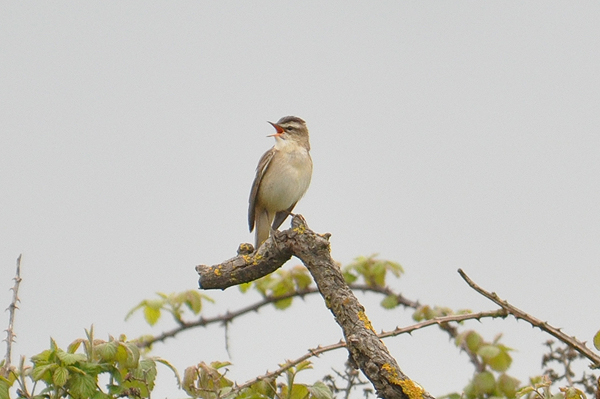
{"x": 10, "y": 331}
{"x": 535, "y": 322}
{"x": 365, "y": 348}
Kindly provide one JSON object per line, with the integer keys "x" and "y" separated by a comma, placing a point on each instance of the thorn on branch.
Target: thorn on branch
{"x": 10, "y": 331}
{"x": 542, "y": 325}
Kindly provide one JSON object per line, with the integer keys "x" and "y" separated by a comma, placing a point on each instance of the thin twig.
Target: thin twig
{"x": 542, "y": 325}
{"x": 385, "y": 334}
{"x": 224, "y": 318}
{"x": 443, "y": 320}
{"x": 387, "y": 291}
{"x": 10, "y": 331}
{"x": 267, "y": 300}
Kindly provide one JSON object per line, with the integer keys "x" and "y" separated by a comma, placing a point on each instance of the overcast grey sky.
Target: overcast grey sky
{"x": 444, "y": 135}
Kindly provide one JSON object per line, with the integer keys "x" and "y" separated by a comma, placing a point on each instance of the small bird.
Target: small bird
{"x": 282, "y": 177}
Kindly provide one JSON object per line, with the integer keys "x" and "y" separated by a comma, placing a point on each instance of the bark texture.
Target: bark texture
{"x": 366, "y": 350}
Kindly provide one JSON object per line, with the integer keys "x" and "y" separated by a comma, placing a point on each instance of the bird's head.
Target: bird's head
{"x": 291, "y": 128}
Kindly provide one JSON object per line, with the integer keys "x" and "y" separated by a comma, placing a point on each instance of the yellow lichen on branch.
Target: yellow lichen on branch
{"x": 409, "y": 387}
{"x": 300, "y": 229}
{"x": 363, "y": 317}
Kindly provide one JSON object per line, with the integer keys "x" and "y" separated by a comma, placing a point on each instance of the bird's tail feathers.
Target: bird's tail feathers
{"x": 263, "y": 227}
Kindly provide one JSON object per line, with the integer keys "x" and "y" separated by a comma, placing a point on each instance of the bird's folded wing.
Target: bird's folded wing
{"x": 261, "y": 170}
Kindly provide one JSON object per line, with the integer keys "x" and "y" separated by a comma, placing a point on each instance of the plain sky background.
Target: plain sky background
{"x": 444, "y": 135}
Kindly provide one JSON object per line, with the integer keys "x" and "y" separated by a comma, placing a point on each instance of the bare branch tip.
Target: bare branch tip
{"x": 298, "y": 220}
{"x": 245, "y": 249}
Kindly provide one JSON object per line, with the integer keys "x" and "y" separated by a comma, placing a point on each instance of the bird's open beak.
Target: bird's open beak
{"x": 278, "y": 128}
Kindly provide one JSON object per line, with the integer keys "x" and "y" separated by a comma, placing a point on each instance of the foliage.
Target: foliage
{"x": 427, "y": 312}
{"x": 209, "y": 382}
{"x": 282, "y": 286}
{"x": 69, "y": 374}
{"x": 540, "y": 388}
{"x": 492, "y": 360}
{"x": 372, "y": 270}
{"x": 284, "y": 283}
{"x": 174, "y": 304}
{"x": 74, "y": 372}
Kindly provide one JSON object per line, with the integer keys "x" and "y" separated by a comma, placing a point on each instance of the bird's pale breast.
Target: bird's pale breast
{"x": 286, "y": 180}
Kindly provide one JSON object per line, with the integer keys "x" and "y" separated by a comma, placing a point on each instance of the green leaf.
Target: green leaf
{"x": 378, "y": 274}
{"x": 72, "y": 348}
{"x": 469, "y": 391}
{"x": 147, "y": 371}
{"x": 349, "y": 277}
{"x": 423, "y": 313}
{"x": 484, "y": 383}
{"x": 573, "y": 393}
{"x": 373, "y": 270}
{"x": 464, "y": 311}
{"x": 82, "y": 386}
{"x": 122, "y": 354}
{"x": 60, "y": 376}
{"x": 70, "y": 358}
{"x": 77, "y": 370}
{"x": 189, "y": 381}
{"x": 193, "y": 300}
{"x": 151, "y": 314}
{"x": 508, "y": 385}
{"x": 107, "y": 351}
{"x": 245, "y": 287}
{"x": 262, "y": 284}
{"x": 501, "y": 362}
{"x": 389, "y": 302}
{"x": 524, "y": 391}
{"x": 301, "y": 277}
{"x": 597, "y": 341}
{"x": 4, "y": 387}
{"x": 284, "y": 286}
{"x": 298, "y": 391}
{"x": 496, "y": 356}
{"x": 488, "y": 352}
{"x": 92, "y": 369}
{"x": 320, "y": 391}
{"x": 13, "y": 376}
{"x": 473, "y": 341}
{"x": 219, "y": 365}
{"x": 283, "y": 303}
{"x": 128, "y": 354}
{"x": 101, "y": 395}
{"x": 304, "y": 365}
{"x": 43, "y": 356}
{"x": 263, "y": 389}
{"x": 44, "y": 372}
